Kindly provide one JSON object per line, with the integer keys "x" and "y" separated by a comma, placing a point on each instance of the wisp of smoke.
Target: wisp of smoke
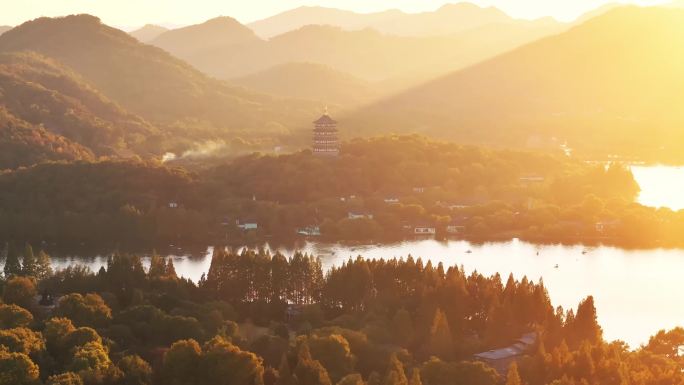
{"x": 199, "y": 150}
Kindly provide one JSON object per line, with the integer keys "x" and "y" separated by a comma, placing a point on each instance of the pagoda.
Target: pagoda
{"x": 325, "y": 136}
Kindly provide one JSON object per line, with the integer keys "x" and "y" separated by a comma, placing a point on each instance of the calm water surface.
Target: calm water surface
{"x": 637, "y": 292}
{"x": 661, "y": 186}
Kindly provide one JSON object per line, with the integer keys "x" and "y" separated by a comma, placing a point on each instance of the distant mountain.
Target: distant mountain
{"x": 303, "y": 16}
{"x": 217, "y": 33}
{"x": 448, "y": 20}
{"x": 148, "y": 32}
{"x": 597, "y": 12}
{"x": 4, "y": 28}
{"x": 66, "y": 112}
{"x": 366, "y": 54}
{"x": 150, "y": 82}
{"x": 311, "y": 81}
{"x": 584, "y": 86}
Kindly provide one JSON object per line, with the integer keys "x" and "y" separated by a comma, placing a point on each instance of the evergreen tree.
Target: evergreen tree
{"x": 43, "y": 265}
{"x": 440, "y": 341}
{"x": 513, "y": 377}
{"x": 415, "y": 377}
{"x": 170, "y": 269}
{"x": 12, "y": 264}
{"x": 285, "y": 376}
{"x": 157, "y": 267}
{"x": 29, "y": 264}
{"x": 395, "y": 373}
{"x": 308, "y": 370}
{"x": 402, "y": 327}
{"x": 585, "y": 325}
{"x": 584, "y": 362}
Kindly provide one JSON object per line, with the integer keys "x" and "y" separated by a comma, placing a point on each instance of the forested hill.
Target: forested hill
{"x": 23, "y": 144}
{"x": 68, "y": 116}
{"x": 146, "y": 80}
{"x": 585, "y": 86}
{"x": 397, "y": 181}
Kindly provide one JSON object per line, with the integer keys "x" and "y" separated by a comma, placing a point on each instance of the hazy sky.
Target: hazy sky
{"x": 129, "y": 14}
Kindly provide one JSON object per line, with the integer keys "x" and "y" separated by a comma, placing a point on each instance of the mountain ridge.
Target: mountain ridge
{"x": 563, "y": 87}
{"x": 221, "y": 32}
{"x": 148, "y": 32}
{"x": 146, "y": 80}
{"x": 448, "y": 19}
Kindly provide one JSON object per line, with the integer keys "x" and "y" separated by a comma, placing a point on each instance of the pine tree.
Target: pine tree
{"x": 170, "y": 269}
{"x": 440, "y": 341}
{"x": 308, "y": 370}
{"x": 157, "y": 267}
{"x": 12, "y": 264}
{"x": 402, "y": 327}
{"x": 395, "y": 373}
{"x": 415, "y": 377}
{"x": 513, "y": 377}
{"x": 29, "y": 266}
{"x": 585, "y": 325}
{"x": 285, "y": 376}
{"x": 43, "y": 265}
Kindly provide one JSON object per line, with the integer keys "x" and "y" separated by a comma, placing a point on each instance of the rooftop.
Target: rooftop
{"x": 325, "y": 119}
{"x": 499, "y": 354}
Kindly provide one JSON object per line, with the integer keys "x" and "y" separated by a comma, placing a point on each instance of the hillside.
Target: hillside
{"x": 450, "y": 19}
{"x": 42, "y": 93}
{"x": 217, "y": 33}
{"x": 148, "y": 81}
{"x": 584, "y": 86}
{"x": 311, "y": 81}
{"x": 148, "y": 32}
{"x": 366, "y": 54}
{"x": 4, "y": 28}
{"x": 23, "y": 144}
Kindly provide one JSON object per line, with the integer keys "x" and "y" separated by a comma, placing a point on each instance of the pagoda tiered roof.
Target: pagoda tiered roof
{"x": 325, "y": 119}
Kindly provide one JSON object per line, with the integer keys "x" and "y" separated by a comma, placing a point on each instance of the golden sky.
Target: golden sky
{"x": 130, "y": 14}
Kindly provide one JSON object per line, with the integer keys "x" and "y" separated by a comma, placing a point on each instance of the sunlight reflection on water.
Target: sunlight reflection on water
{"x": 661, "y": 186}
{"x": 637, "y": 292}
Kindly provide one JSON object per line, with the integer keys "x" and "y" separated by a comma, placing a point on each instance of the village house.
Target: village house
{"x": 173, "y": 205}
{"x": 391, "y": 200}
{"x": 531, "y": 179}
{"x": 246, "y": 225}
{"x": 501, "y": 359}
{"x": 457, "y": 225}
{"x": 424, "y": 229}
{"x": 310, "y": 231}
{"x": 359, "y": 215}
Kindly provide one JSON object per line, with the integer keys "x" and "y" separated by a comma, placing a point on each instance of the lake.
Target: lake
{"x": 637, "y": 292}
{"x": 661, "y": 186}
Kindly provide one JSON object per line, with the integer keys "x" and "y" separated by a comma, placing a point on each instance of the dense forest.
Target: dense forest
{"x": 378, "y": 190}
{"x": 262, "y": 319}
{"x": 50, "y": 113}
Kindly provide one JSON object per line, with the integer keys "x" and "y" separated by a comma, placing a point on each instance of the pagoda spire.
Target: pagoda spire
{"x": 325, "y": 140}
